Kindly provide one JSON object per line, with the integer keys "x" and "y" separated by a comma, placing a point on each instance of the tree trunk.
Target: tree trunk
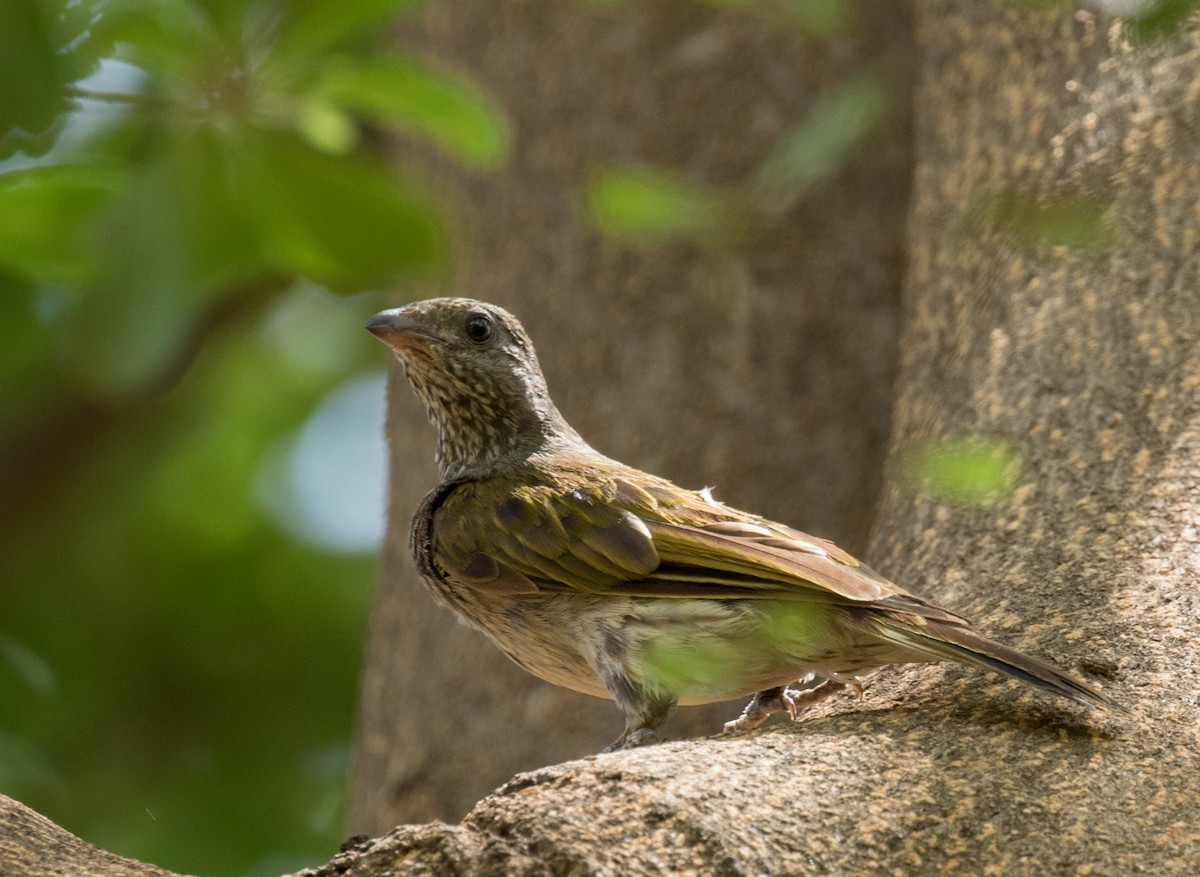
{"x": 767, "y": 362}
{"x": 1089, "y": 359}
{"x": 33, "y": 846}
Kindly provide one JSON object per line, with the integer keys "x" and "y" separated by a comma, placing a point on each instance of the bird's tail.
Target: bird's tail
{"x": 951, "y": 642}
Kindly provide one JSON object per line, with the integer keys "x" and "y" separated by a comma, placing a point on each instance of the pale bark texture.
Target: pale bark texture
{"x": 33, "y": 846}
{"x": 1088, "y": 359}
{"x": 761, "y": 366}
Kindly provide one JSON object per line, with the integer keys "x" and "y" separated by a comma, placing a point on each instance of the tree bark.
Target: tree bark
{"x": 33, "y": 846}
{"x": 762, "y": 363}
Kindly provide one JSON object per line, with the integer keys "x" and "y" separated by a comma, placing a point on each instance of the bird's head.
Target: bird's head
{"x": 475, "y": 369}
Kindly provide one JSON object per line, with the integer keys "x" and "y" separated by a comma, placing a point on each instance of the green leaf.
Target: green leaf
{"x": 830, "y": 135}
{"x": 44, "y": 46}
{"x": 208, "y": 214}
{"x": 445, "y": 108}
{"x": 1044, "y": 223}
{"x": 347, "y": 223}
{"x": 177, "y": 238}
{"x": 645, "y": 205}
{"x": 307, "y": 29}
{"x": 43, "y": 212}
{"x": 1153, "y": 20}
{"x": 327, "y": 128}
{"x": 26, "y": 346}
{"x": 32, "y": 96}
{"x": 823, "y": 19}
{"x": 967, "y": 470}
{"x": 183, "y": 228}
{"x": 30, "y": 667}
{"x": 158, "y": 35}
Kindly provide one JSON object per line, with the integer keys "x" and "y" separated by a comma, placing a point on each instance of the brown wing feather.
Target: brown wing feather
{"x": 784, "y": 566}
{"x": 635, "y": 535}
{"x": 557, "y": 540}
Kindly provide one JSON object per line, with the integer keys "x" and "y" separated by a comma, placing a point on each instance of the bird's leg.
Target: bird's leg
{"x": 642, "y": 721}
{"x": 761, "y": 707}
{"x": 798, "y": 702}
{"x": 793, "y": 701}
{"x": 857, "y": 687}
{"x": 644, "y": 710}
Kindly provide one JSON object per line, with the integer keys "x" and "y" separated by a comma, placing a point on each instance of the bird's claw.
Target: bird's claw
{"x": 632, "y": 739}
{"x": 752, "y": 716}
{"x": 799, "y": 702}
{"x": 793, "y": 701}
{"x": 762, "y": 706}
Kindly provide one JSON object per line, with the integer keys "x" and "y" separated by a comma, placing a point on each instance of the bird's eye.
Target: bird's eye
{"x": 480, "y": 328}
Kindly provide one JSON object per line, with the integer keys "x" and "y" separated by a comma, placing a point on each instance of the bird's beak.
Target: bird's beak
{"x": 396, "y": 327}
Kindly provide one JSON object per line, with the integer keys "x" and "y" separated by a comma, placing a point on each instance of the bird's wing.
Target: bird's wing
{"x": 528, "y": 538}
{"x": 644, "y": 537}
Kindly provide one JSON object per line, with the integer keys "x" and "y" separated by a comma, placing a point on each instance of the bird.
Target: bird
{"x": 613, "y": 582}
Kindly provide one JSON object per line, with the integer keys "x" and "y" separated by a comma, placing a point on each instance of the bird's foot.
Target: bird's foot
{"x": 761, "y": 707}
{"x": 799, "y": 702}
{"x": 632, "y": 739}
{"x": 785, "y": 699}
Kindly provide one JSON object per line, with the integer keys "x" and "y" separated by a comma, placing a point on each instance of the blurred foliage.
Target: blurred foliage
{"x": 186, "y": 187}
{"x": 822, "y": 19}
{"x": 178, "y": 676}
{"x": 1144, "y": 21}
{"x": 405, "y": 93}
{"x": 824, "y": 141}
{"x": 646, "y": 206}
{"x": 966, "y": 470}
{"x": 1150, "y": 19}
{"x": 1052, "y": 224}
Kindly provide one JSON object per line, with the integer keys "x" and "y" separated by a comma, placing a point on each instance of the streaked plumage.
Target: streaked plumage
{"x": 613, "y": 582}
